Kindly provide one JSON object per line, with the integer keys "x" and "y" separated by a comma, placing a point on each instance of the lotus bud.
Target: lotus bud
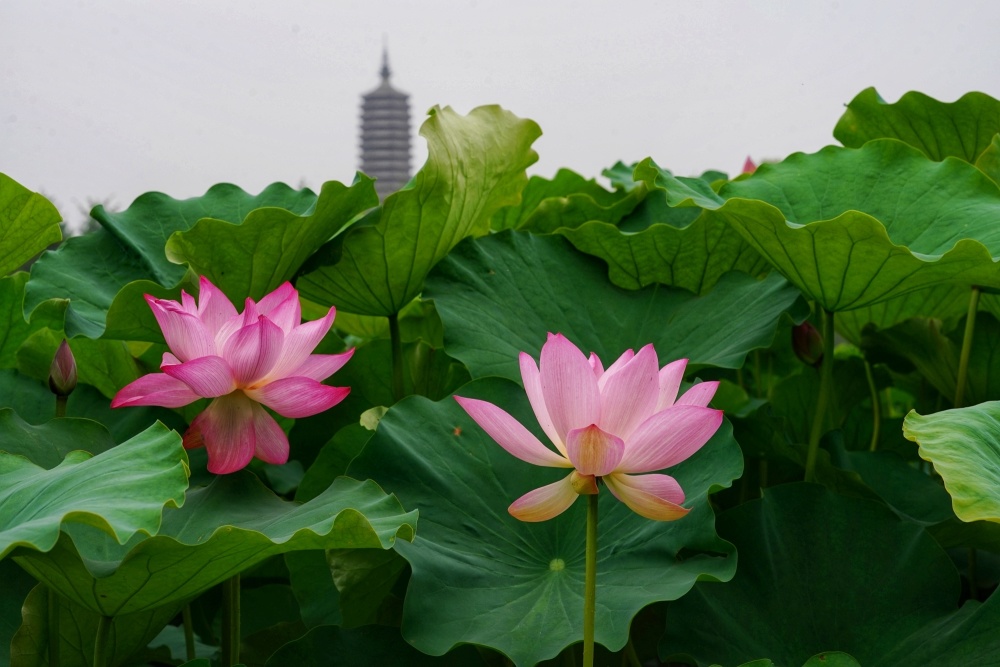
{"x": 62, "y": 373}
{"x": 749, "y": 166}
{"x": 808, "y": 344}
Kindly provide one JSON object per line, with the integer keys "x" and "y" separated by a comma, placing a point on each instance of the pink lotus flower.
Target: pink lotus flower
{"x": 243, "y": 361}
{"x": 606, "y": 425}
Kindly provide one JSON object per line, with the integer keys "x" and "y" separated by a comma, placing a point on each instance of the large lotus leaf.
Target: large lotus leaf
{"x": 148, "y": 223}
{"x": 499, "y": 295}
{"x": 667, "y": 238}
{"x": 935, "y": 354}
{"x": 331, "y": 646}
{"x": 943, "y": 302}
{"x": 16, "y": 586}
{"x": 852, "y": 227}
{"x": 268, "y": 248}
{"x": 90, "y": 270}
{"x": 807, "y": 582}
{"x": 46, "y": 445}
{"x": 312, "y": 584}
{"x": 150, "y": 470}
{"x": 475, "y": 165}
{"x": 480, "y": 576}
{"x": 568, "y": 196}
{"x": 77, "y": 632}
{"x": 906, "y": 489}
{"x": 14, "y": 329}
{"x": 222, "y": 529}
{"x": 989, "y": 160}
{"x": 963, "y": 128}
{"x": 828, "y": 659}
{"x": 28, "y": 224}
{"x": 365, "y": 578}
{"x": 964, "y": 446}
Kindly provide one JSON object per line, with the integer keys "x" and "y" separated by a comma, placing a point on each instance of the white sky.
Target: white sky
{"x": 110, "y": 99}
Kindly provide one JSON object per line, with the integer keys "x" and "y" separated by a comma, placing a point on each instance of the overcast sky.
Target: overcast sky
{"x": 110, "y": 99}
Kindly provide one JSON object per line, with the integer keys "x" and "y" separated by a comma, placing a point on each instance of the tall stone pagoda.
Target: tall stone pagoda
{"x": 385, "y": 135}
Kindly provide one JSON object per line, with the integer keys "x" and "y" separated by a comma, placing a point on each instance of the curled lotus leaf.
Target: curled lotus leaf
{"x": 854, "y": 227}
{"x": 964, "y": 129}
{"x": 222, "y": 529}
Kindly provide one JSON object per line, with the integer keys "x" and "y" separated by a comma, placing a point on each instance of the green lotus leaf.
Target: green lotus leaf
{"x": 828, "y": 659}
{"x": 88, "y": 270}
{"x": 271, "y": 244}
{"x": 804, "y": 585}
{"x": 312, "y": 583}
{"x": 940, "y": 301}
{"x": 964, "y": 446}
{"x": 150, "y": 470}
{"x": 480, "y": 576}
{"x": 146, "y": 225}
{"x": 78, "y": 630}
{"x": 331, "y": 646}
{"x": 853, "y": 227}
{"x": 46, "y": 445}
{"x": 14, "y": 329}
{"x": 91, "y": 270}
{"x": 499, "y": 295}
{"x": 29, "y": 223}
{"x": 566, "y": 200}
{"x": 907, "y": 490}
{"x": 17, "y": 584}
{"x": 364, "y": 578}
{"x": 667, "y": 238}
{"x": 935, "y": 353}
{"x": 963, "y": 128}
{"x": 989, "y": 160}
{"x": 475, "y": 165}
{"x": 222, "y": 529}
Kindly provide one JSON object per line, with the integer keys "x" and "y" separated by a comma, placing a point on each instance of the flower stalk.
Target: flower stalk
{"x": 188, "y": 633}
{"x": 590, "y": 582}
{"x": 231, "y": 621}
{"x": 101, "y": 642}
{"x": 824, "y": 398}
{"x": 398, "y": 389}
{"x": 876, "y": 407}
{"x": 963, "y": 359}
{"x": 53, "y": 629}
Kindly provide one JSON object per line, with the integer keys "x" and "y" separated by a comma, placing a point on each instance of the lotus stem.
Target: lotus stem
{"x": 876, "y": 407}
{"x": 397, "y": 357}
{"x": 188, "y": 633}
{"x": 53, "y": 629}
{"x": 973, "y": 574}
{"x": 963, "y": 359}
{"x": 823, "y": 399}
{"x": 630, "y": 655}
{"x": 590, "y": 583}
{"x": 231, "y": 621}
{"x": 101, "y": 641}
{"x": 757, "y": 389}
{"x": 60, "y": 406}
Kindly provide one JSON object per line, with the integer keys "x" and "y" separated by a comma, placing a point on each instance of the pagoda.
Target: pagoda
{"x": 385, "y": 135}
